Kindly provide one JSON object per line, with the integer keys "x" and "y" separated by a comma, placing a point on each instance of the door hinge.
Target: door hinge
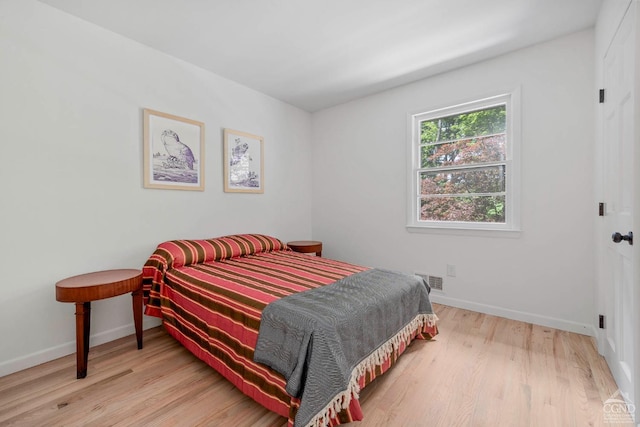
{"x": 601, "y": 321}
{"x": 601, "y": 95}
{"x": 601, "y": 209}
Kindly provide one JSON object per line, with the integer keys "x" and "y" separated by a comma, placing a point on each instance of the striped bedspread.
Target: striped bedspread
{"x": 211, "y": 293}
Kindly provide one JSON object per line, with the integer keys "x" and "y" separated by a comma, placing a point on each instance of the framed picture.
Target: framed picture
{"x": 173, "y": 152}
{"x": 243, "y": 162}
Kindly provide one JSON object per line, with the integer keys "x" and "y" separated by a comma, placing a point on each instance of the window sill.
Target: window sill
{"x": 462, "y": 231}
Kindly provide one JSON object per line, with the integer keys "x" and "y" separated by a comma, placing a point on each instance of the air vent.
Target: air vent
{"x": 434, "y": 282}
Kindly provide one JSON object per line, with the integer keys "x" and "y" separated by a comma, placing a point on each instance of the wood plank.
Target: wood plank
{"x": 480, "y": 371}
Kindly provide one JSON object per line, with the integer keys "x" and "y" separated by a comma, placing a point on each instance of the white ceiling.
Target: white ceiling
{"x": 318, "y": 53}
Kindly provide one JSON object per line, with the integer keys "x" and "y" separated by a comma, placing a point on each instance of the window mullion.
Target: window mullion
{"x": 466, "y": 138}
{"x": 443, "y": 196}
{"x": 462, "y": 167}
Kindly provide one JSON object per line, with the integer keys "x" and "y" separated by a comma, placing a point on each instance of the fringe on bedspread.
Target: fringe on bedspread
{"x": 343, "y": 399}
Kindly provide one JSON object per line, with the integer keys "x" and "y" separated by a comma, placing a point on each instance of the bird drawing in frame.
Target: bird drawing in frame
{"x": 180, "y": 155}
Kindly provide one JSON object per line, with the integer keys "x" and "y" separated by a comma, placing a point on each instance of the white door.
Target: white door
{"x": 622, "y": 198}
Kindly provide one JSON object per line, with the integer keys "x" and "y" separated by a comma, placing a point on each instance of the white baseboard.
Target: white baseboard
{"x": 536, "y": 319}
{"x": 46, "y": 355}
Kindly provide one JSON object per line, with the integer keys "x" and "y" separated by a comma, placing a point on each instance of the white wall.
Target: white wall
{"x": 71, "y": 100}
{"x": 544, "y": 275}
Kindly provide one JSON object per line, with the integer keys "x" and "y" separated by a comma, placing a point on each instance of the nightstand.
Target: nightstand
{"x": 306, "y": 246}
{"x": 89, "y": 287}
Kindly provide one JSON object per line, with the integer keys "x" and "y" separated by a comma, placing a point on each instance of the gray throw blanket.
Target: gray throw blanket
{"x": 319, "y": 340}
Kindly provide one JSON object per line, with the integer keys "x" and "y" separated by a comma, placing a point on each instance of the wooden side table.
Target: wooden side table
{"x": 89, "y": 287}
{"x": 306, "y": 246}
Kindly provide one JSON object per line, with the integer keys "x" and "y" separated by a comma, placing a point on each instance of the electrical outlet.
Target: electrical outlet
{"x": 451, "y": 270}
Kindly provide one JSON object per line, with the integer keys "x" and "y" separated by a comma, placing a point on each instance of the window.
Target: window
{"x": 463, "y": 168}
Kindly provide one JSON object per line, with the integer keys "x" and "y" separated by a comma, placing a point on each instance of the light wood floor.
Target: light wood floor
{"x": 479, "y": 371}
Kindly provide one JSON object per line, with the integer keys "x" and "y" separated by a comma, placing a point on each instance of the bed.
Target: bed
{"x": 227, "y": 300}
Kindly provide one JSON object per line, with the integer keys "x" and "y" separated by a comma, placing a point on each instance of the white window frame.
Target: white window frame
{"x": 512, "y": 163}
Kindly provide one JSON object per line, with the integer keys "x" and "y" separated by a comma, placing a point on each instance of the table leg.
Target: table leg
{"x": 137, "y": 314}
{"x": 83, "y": 324}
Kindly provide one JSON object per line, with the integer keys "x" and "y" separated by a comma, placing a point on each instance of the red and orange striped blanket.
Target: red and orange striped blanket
{"x": 210, "y": 295}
